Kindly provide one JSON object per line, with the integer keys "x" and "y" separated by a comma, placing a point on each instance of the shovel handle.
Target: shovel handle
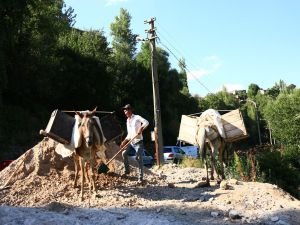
{"x": 121, "y": 149}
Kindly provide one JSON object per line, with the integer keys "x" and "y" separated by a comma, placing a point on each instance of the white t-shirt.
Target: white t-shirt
{"x": 133, "y": 125}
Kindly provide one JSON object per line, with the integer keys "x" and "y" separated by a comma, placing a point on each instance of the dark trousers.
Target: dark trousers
{"x": 139, "y": 148}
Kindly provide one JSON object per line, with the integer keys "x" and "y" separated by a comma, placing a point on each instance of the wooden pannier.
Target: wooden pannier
{"x": 234, "y": 126}
{"x": 60, "y": 127}
{"x": 232, "y": 122}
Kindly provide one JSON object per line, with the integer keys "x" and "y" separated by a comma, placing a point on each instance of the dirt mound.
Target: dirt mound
{"x": 40, "y": 176}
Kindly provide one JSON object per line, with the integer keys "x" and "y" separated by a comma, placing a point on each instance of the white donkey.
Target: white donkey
{"x": 210, "y": 141}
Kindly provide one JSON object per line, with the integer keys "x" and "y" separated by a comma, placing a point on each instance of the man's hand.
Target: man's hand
{"x": 124, "y": 142}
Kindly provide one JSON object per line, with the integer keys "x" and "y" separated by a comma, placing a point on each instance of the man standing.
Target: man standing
{"x": 135, "y": 126}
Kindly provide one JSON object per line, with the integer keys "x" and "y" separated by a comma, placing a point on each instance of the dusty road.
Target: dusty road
{"x": 41, "y": 192}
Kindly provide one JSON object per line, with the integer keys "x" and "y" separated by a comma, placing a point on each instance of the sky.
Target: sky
{"x": 225, "y": 43}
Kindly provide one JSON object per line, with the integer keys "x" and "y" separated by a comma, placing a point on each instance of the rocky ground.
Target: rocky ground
{"x": 38, "y": 189}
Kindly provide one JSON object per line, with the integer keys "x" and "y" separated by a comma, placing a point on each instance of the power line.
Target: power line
{"x": 185, "y": 66}
{"x": 181, "y": 53}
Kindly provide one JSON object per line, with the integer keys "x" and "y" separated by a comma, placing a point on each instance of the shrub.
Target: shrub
{"x": 277, "y": 168}
{"x": 243, "y": 167}
{"x": 191, "y": 162}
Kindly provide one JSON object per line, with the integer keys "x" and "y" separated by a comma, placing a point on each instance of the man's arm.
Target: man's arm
{"x": 127, "y": 138}
{"x": 144, "y": 123}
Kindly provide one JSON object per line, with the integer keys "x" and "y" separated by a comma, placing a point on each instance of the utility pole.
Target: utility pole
{"x": 155, "y": 86}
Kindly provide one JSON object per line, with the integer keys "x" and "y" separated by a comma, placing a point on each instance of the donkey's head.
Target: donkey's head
{"x": 86, "y": 127}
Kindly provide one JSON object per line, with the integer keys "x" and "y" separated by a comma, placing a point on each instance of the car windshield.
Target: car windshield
{"x": 176, "y": 150}
{"x": 166, "y": 150}
{"x": 181, "y": 151}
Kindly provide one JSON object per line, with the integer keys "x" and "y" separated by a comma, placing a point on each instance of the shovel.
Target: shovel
{"x": 103, "y": 168}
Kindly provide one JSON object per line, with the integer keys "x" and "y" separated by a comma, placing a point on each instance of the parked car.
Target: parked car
{"x": 147, "y": 157}
{"x": 173, "y": 154}
{"x": 190, "y": 151}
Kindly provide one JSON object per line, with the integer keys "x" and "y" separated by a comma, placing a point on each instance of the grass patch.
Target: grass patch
{"x": 191, "y": 162}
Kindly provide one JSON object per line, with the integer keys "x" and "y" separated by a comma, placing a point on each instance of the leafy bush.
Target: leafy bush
{"x": 282, "y": 117}
{"x": 192, "y": 162}
{"x": 291, "y": 154}
{"x": 243, "y": 167}
{"x": 277, "y": 168}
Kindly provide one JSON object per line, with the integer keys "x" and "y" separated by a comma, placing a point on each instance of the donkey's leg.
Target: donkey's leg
{"x": 204, "y": 160}
{"x": 221, "y": 159}
{"x": 212, "y": 159}
{"x": 92, "y": 175}
{"x": 76, "y": 164}
{"x": 86, "y": 172}
{"x": 213, "y": 168}
{"x": 206, "y": 166}
{"x": 82, "y": 167}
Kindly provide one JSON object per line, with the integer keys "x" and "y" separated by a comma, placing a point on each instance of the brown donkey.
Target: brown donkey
{"x": 85, "y": 155}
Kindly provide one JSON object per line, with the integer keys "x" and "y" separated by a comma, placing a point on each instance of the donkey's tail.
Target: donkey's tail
{"x": 200, "y": 139}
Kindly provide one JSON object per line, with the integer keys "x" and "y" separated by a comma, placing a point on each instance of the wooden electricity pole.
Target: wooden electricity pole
{"x": 156, "y": 99}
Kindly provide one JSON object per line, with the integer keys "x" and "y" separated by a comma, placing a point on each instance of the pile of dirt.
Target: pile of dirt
{"x": 41, "y": 175}
{"x": 43, "y": 178}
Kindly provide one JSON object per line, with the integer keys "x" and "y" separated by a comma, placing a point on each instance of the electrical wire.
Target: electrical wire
{"x": 175, "y": 56}
{"x": 185, "y": 66}
{"x": 181, "y": 53}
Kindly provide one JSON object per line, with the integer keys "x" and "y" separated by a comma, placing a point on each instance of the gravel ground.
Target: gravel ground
{"x": 39, "y": 190}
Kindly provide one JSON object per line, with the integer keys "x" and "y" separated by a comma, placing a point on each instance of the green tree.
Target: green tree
{"x": 183, "y": 77}
{"x": 278, "y": 88}
{"x": 84, "y": 59}
{"x": 253, "y": 90}
{"x": 249, "y": 115}
{"x": 142, "y": 96}
{"x": 230, "y": 101}
{"x": 31, "y": 57}
{"x": 124, "y": 41}
{"x": 213, "y": 101}
{"x": 28, "y": 42}
{"x": 123, "y": 52}
{"x": 281, "y": 114}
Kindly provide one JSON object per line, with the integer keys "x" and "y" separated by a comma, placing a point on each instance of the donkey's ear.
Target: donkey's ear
{"x": 94, "y": 110}
{"x": 91, "y": 113}
{"x": 79, "y": 114}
